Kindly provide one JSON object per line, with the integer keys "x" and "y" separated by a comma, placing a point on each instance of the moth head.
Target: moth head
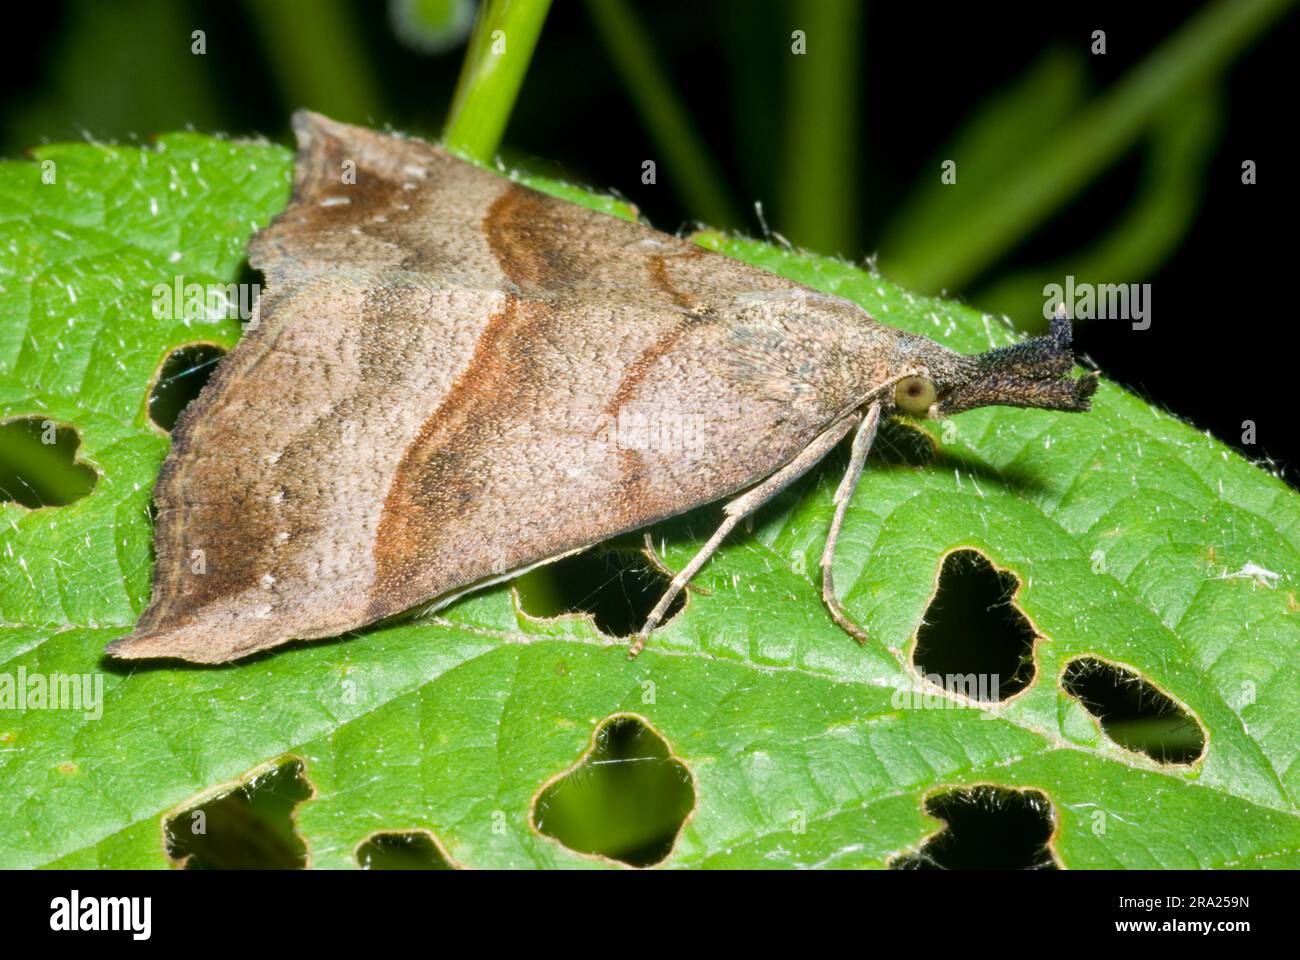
{"x": 1033, "y": 373}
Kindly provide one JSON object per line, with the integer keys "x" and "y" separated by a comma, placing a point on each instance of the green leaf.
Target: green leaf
{"x": 454, "y": 725}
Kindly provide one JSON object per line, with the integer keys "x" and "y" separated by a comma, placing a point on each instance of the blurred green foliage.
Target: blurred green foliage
{"x": 1020, "y": 156}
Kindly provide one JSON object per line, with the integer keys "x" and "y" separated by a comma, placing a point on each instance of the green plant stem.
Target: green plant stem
{"x": 820, "y": 174}
{"x": 691, "y": 170}
{"x": 500, "y": 50}
{"x": 313, "y": 51}
{"x": 1145, "y": 234}
{"x": 1028, "y": 194}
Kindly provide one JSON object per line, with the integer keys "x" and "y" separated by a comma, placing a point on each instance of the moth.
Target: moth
{"x": 435, "y": 392}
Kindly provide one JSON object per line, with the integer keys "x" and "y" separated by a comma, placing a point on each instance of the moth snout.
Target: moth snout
{"x": 1009, "y": 390}
{"x": 1033, "y": 373}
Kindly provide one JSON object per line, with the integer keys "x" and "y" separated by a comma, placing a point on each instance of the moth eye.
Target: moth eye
{"x": 914, "y": 395}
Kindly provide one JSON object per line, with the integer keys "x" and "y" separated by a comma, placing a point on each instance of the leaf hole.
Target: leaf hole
{"x": 986, "y": 828}
{"x": 39, "y": 465}
{"x": 184, "y": 373}
{"x": 411, "y": 850}
{"x": 615, "y": 584}
{"x": 626, "y": 800}
{"x": 1132, "y": 712}
{"x": 973, "y": 636}
{"x": 249, "y": 828}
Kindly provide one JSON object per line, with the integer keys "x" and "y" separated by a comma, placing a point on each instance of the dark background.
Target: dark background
{"x": 1218, "y": 351}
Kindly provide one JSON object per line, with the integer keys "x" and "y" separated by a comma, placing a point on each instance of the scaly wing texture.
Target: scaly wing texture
{"x": 437, "y": 390}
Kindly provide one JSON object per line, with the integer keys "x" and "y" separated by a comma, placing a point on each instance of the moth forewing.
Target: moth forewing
{"x": 435, "y": 394}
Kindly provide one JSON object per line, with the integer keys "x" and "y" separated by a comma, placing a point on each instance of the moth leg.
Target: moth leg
{"x": 663, "y": 568}
{"x": 862, "y": 441}
{"x": 738, "y": 509}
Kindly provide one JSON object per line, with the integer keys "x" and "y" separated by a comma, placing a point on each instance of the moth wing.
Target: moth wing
{"x": 258, "y": 536}
{"x": 451, "y": 377}
{"x": 367, "y": 203}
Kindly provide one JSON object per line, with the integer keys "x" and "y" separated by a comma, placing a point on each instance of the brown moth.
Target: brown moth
{"x": 435, "y": 394}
